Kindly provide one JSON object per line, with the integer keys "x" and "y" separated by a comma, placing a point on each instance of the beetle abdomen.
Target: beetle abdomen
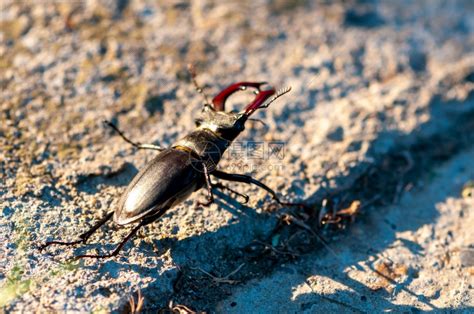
{"x": 168, "y": 179}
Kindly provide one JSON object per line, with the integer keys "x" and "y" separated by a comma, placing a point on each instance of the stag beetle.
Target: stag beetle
{"x": 186, "y": 166}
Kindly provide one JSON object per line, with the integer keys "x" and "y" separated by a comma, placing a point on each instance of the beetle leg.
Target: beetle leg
{"x": 83, "y": 237}
{"x": 144, "y": 222}
{"x": 126, "y": 139}
{"x": 119, "y": 246}
{"x": 210, "y": 195}
{"x": 249, "y": 180}
{"x": 221, "y": 186}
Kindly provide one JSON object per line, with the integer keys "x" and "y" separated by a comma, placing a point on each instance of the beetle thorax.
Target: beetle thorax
{"x": 227, "y": 125}
{"x": 215, "y": 131}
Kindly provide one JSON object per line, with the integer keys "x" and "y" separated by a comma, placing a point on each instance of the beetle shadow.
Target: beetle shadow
{"x": 353, "y": 247}
{"x": 385, "y": 227}
{"x": 200, "y": 251}
{"x": 237, "y": 209}
{"x": 117, "y": 268}
{"x": 220, "y": 250}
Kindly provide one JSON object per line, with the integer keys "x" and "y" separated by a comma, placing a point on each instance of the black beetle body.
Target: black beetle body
{"x": 167, "y": 180}
{"x": 178, "y": 171}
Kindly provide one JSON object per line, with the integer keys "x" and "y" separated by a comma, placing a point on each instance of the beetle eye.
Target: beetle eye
{"x": 207, "y": 107}
{"x": 198, "y": 122}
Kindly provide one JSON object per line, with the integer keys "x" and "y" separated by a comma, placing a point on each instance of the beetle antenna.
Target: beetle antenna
{"x": 199, "y": 89}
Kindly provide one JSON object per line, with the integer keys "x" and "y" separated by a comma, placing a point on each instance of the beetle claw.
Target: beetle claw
{"x": 264, "y": 99}
{"x": 206, "y": 203}
{"x": 220, "y": 99}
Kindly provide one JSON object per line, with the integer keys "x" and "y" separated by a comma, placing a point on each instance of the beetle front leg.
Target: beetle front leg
{"x": 83, "y": 237}
{"x": 126, "y": 139}
{"x": 210, "y": 195}
{"x": 249, "y": 180}
{"x": 221, "y": 186}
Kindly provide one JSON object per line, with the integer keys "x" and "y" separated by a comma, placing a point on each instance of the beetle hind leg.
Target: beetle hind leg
{"x": 83, "y": 237}
{"x": 119, "y": 246}
{"x": 132, "y": 233}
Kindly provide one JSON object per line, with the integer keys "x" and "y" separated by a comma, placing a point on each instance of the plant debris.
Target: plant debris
{"x": 387, "y": 273}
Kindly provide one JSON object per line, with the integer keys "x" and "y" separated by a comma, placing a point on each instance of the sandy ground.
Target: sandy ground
{"x": 416, "y": 255}
{"x": 380, "y": 114}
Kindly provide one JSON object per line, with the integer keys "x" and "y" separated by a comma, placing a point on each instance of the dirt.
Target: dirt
{"x": 375, "y": 139}
{"x": 411, "y": 256}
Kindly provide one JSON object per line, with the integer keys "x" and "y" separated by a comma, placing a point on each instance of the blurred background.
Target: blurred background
{"x": 382, "y": 98}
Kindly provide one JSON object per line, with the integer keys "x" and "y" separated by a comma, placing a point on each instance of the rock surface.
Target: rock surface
{"x": 381, "y": 112}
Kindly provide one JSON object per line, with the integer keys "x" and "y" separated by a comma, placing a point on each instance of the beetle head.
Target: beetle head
{"x": 225, "y": 124}
{"x": 230, "y": 124}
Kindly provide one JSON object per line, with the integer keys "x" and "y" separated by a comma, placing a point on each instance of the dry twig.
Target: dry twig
{"x": 136, "y": 306}
{"x": 224, "y": 279}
